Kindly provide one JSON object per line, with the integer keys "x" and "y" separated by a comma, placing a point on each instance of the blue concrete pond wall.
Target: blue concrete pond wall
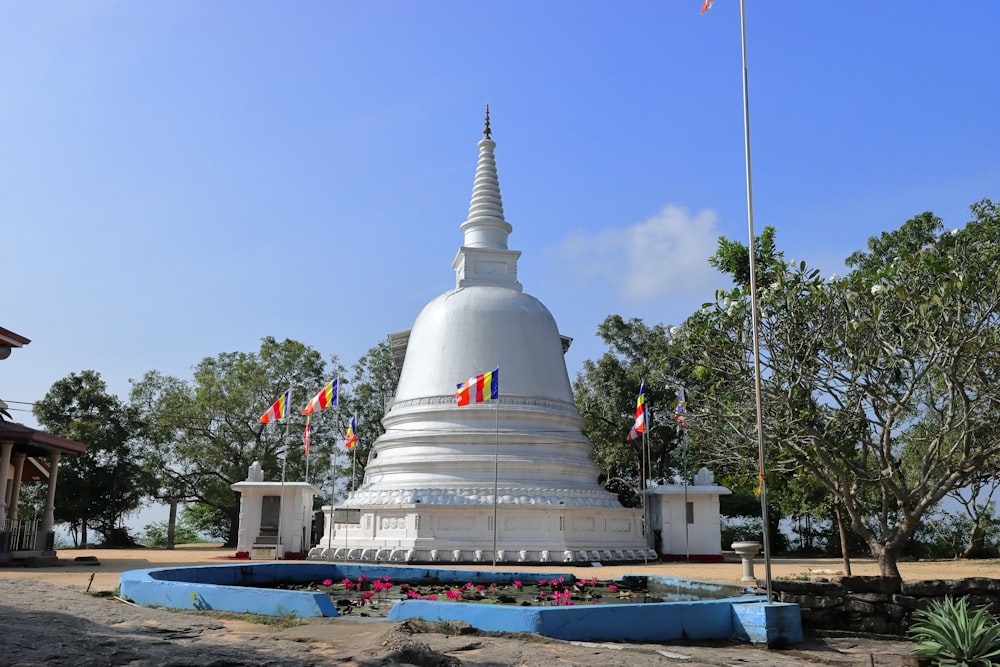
{"x": 246, "y": 588}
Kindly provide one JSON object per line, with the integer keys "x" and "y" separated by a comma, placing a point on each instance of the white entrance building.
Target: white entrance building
{"x": 506, "y": 481}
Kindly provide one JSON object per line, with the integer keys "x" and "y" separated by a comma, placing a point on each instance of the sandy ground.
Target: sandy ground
{"x": 100, "y": 630}
{"x": 75, "y": 570}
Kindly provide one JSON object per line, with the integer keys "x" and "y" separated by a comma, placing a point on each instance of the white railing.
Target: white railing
{"x": 22, "y": 534}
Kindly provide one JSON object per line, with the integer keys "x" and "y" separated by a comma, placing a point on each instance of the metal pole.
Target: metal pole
{"x": 496, "y": 476}
{"x": 333, "y": 492}
{"x": 279, "y": 547}
{"x": 754, "y": 314}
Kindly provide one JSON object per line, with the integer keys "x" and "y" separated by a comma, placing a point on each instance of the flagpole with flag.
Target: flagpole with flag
{"x": 639, "y": 430}
{"x": 306, "y": 437}
{"x": 754, "y": 314}
{"x": 486, "y": 387}
{"x": 679, "y": 416}
{"x": 278, "y": 411}
{"x": 351, "y": 442}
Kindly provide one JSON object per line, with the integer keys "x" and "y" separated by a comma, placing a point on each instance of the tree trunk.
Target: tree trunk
{"x": 845, "y": 552}
{"x": 886, "y": 556}
{"x": 172, "y": 523}
{"x": 83, "y": 533}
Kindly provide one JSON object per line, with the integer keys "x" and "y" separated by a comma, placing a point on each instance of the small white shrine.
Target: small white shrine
{"x": 275, "y": 517}
{"x": 685, "y": 519}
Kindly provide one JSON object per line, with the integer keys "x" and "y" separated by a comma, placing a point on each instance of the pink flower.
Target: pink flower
{"x": 480, "y": 587}
{"x": 517, "y": 584}
{"x": 542, "y": 582}
{"x": 468, "y": 585}
{"x": 431, "y": 597}
{"x": 612, "y": 588}
{"x": 327, "y": 582}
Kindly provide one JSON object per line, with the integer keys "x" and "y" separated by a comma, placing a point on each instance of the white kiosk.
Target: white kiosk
{"x": 275, "y": 517}
{"x": 685, "y": 519}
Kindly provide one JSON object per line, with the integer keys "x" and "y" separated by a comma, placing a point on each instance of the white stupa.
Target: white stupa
{"x": 498, "y": 481}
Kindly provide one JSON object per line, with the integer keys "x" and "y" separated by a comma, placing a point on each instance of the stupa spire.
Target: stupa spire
{"x": 486, "y": 226}
{"x": 485, "y": 230}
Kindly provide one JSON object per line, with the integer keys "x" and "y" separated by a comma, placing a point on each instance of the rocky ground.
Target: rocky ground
{"x": 50, "y": 618}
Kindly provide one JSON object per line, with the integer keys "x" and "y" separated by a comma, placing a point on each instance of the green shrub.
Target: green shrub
{"x": 950, "y": 633}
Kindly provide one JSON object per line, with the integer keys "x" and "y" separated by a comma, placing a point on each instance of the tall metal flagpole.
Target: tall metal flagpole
{"x": 754, "y": 313}
{"x": 309, "y": 436}
{"x": 643, "y": 473}
{"x": 496, "y": 474}
{"x": 333, "y": 491}
{"x": 284, "y": 460}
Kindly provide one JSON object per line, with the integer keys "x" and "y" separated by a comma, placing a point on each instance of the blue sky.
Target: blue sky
{"x": 179, "y": 179}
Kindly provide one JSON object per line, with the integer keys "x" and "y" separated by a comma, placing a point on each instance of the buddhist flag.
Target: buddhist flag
{"x": 681, "y": 407}
{"x": 708, "y": 5}
{"x": 306, "y": 434}
{"x": 639, "y": 427}
{"x": 485, "y": 387}
{"x": 351, "y": 437}
{"x": 326, "y": 397}
{"x": 279, "y": 410}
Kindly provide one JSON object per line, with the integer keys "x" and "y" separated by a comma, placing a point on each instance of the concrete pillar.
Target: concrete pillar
{"x": 6, "y": 447}
{"x": 15, "y": 487}
{"x": 49, "y": 518}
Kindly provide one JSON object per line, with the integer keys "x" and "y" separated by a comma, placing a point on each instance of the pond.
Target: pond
{"x": 374, "y": 597}
{"x": 689, "y": 609}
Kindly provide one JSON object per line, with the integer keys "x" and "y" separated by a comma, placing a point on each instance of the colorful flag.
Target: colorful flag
{"x": 279, "y": 410}
{"x": 351, "y": 437}
{"x": 681, "y": 408}
{"x": 326, "y": 397}
{"x": 307, "y": 433}
{"x": 639, "y": 427}
{"x": 485, "y": 387}
{"x": 708, "y": 5}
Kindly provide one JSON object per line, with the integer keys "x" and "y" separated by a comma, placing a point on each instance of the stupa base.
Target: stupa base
{"x": 447, "y": 534}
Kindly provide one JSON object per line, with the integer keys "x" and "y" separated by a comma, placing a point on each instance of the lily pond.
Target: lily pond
{"x": 374, "y": 597}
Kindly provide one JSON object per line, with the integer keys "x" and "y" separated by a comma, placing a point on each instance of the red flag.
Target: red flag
{"x": 279, "y": 410}
{"x": 326, "y": 397}
{"x": 306, "y": 434}
{"x": 351, "y": 437}
{"x": 639, "y": 427}
{"x": 485, "y": 387}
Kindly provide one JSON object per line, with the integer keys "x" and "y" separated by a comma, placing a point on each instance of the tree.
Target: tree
{"x": 881, "y": 386}
{"x": 605, "y": 394}
{"x": 108, "y": 482}
{"x": 372, "y": 386}
{"x": 207, "y": 432}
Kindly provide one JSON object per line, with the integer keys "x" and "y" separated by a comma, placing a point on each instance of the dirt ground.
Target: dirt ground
{"x": 66, "y": 614}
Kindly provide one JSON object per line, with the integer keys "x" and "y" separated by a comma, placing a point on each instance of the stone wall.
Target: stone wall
{"x": 878, "y": 605}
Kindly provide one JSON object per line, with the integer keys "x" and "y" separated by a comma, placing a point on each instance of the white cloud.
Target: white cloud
{"x": 650, "y": 259}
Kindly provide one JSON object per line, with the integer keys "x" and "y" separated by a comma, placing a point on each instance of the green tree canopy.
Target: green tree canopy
{"x": 606, "y": 392}
{"x": 205, "y": 433}
{"x": 881, "y": 386}
{"x": 372, "y": 385}
{"x": 108, "y": 482}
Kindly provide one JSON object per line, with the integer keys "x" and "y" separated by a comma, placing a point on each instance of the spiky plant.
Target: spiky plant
{"x": 950, "y": 633}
